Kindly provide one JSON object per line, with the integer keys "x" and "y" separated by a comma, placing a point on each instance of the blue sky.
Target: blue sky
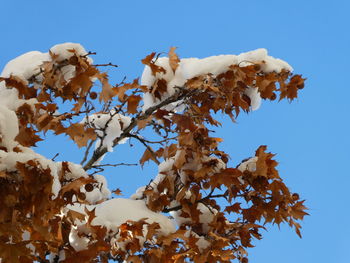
{"x": 310, "y": 136}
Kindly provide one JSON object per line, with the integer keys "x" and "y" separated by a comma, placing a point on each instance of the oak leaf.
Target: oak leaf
{"x": 149, "y": 61}
{"x": 27, "y": 136}
{"x": 173, "y": 59}
{"x": 133, "y": 102}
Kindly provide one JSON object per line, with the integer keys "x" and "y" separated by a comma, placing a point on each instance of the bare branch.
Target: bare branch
{"x": 100, "y": 167}
{"x": 106, "y": 65}
{"x": 153, "y": 142}
{"x": 53, "y": 158}
{"x": 114, "y": 165}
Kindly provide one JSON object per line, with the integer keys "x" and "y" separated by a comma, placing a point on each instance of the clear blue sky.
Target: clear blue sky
{"x": 310, "y": 136}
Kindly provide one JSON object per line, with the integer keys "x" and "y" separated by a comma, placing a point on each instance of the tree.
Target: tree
{"x": 196, "y": 208}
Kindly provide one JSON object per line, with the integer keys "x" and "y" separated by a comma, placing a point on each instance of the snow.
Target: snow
{"x": 63, "y": 51}
{"x": 8, "y": 131}
{"x": 77, "y": 239}
{"x": 113, "y": 213}
{"x": 28, "y": 65}
{"x": 249, "y": 165}
{"x": 61, "y": 256}
{"x": 100, "y": 191}
{"x": 202, "y": 244}
{"x": 206, "y": 217}
{"x": 126, "y": 209}
{"x": 8, "y": 127}
{"x": 196, "y": 164}
{"x": 255, "y": 99}
{"x": 108, "y": 127}
{"x": 164, "y": 170}
{"x": 191, "y": 67}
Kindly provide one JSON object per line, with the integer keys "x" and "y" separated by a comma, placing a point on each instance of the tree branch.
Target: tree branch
{"x": 147, "y": 146}
{"x": 87, "y": 152}
{"x": 181, "y": 94}
{"x": 100, "y": 168}
{"x": 178, "y": 207}
{"x": 106, "y": 65}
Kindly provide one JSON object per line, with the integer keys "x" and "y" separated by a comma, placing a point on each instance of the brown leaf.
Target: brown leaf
{"x": 43, "y": 121}
{"x": 181, "y": 159}
{"x": 235, "y": 208}
{"x": 143, "y": 123}
{"x": 290, "y": 90}
{"x": 72, "y": 215}
{"x": 27, "y": 137}
{"x": 117, "y": 191}
{"x": 147, "y": 155}
{"x": 227, "y": 177}
{"x": 80, "y": 135}
{"x": 133, "y": 102}
{"x": 298, "y": 210}
{"x": 107, "y": 92}
{"x": 149, "y": 62}
{"x": 173, "y": 59}
{"x": 76, "y": 184}
{"x": 24, "y": 91}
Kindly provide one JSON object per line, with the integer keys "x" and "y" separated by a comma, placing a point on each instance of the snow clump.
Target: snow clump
{"x": 189, "y": 68}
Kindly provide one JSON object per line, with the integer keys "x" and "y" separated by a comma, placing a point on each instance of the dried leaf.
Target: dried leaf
{"x": 133, "y": 102}
{"x": 173, "y": 59}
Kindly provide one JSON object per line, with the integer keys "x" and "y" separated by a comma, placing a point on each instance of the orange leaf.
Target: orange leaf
{"x": 173, "y": 59}
{"x": 27, "y": 137}
{"x": 142, "y": 123}
{"x": 107, "y": 91}
{"x": 117, "y": 191}
{"x": 133, "y": 102}
{"x": 147, "y": 155}
{"x": 149, "y": 62}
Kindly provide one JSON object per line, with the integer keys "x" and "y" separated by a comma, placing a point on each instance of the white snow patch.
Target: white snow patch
{"x": 202, "y": 243}
{"x": 191, "y": 67}
{"x": 113, "y": 213}
{"x": 108, "y": 126}
{"x": 248, "y": 165}
{"x": 100, "y": 191}
{"x": 206, "y": 216}
{"x": 63, "y": 51}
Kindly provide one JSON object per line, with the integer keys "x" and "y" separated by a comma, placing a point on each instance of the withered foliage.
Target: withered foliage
{"x": 238, "y": 201}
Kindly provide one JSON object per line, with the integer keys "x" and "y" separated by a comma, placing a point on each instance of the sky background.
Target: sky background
{"x": 310, "y": 135}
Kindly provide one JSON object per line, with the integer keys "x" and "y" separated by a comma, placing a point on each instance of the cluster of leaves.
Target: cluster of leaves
{"x": 238, "y": 201}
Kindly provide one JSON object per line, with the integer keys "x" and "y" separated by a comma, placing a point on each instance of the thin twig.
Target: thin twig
{"x": 88, "y": 54}
{"x": 53, "y": 158}
{"x": 99, "y": 168}
{"x": 178, "y": 207}
{"x": 106, "y": 65}
{"x": 147, "y": 141}
{"x": 87, "y": 152}
{"x": 147, "y": 146}
{"x": 114, "y": 165}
